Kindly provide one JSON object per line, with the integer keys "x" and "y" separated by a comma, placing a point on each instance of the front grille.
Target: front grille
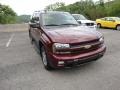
{"x": 90, "y": 24}
{"x": 84, "y": 50}
{"x": 79, "y": 49}
{"x": 84, "y": 43}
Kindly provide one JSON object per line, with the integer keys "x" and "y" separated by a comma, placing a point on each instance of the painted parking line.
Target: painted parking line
{"x": 9, "y": 41}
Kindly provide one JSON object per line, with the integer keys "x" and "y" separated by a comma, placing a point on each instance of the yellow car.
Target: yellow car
{"x": 109, "y": 22}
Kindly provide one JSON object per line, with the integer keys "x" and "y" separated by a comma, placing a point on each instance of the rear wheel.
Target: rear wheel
{"x": 118, "y": 27}
{"x": 98, "y": 25}
{"x": 45, "y": 59}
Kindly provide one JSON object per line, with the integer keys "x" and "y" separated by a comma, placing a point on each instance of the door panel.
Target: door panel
{"x": 37, "y": 36}
{"x": 103, "y": 23}
{"x": 33, "y": 33}
{"x": 111, "y": 24}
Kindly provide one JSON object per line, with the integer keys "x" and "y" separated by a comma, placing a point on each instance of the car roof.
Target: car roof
{"x": 40, "y": 12}
{"x": 111, "y": 17}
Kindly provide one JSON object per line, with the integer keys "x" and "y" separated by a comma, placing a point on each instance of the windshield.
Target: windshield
{"x": 79, "y": 17}
{"x": 56, "y": 19}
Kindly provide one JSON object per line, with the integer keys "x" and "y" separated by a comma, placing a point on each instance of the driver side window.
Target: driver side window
{"x": 109, "y": 19}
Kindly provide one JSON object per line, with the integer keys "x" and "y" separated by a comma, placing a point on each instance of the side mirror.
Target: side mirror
{"x": 36, "y": 24}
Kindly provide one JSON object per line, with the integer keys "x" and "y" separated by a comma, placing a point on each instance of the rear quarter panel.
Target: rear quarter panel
{"x": 117, "y": 23}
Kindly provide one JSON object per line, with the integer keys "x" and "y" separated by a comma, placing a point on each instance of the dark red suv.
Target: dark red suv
{"x": 62, "y": 42}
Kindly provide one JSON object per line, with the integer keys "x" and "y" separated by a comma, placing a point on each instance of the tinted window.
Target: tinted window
{"x": 109, "y": 19}
{"x": 79, "y": 17}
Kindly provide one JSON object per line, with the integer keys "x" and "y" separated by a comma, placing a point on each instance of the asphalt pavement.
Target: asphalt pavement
{"x": 21, "y": 67}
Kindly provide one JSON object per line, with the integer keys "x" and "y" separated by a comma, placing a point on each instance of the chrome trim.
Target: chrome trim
{"x": 83, "y": 46}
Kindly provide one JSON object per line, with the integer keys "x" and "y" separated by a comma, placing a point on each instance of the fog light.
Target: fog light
{"x": 60, "y": 62}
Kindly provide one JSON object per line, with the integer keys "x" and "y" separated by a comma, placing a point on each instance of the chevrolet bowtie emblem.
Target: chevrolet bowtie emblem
{"x": 87, "y": 46}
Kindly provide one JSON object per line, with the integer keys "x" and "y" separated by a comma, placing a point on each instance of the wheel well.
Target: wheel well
{"x": 40, "y": 46}
{"x": 98, "y": 23}
{"x": 117, "y": 25}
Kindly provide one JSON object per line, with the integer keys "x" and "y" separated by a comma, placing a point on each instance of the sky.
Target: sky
{"x": 29, "y": 6}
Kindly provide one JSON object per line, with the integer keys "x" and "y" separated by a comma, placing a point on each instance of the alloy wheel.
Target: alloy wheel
{"x": 44, "y": 59}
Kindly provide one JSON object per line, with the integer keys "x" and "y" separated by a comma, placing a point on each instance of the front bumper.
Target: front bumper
{"x": 90, "y": 25}
{"x": 83, "y": 60}
{"x": 75, "y": 59}
{"x": 94, "y": 26}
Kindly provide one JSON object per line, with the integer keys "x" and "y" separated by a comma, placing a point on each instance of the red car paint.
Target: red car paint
{"x": 73, "y": 36}
{"x": 77, "y": 37}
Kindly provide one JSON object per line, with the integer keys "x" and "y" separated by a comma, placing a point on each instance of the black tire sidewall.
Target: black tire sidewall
{"x": 43, "y": 50}
{"x": 48, "y": 67}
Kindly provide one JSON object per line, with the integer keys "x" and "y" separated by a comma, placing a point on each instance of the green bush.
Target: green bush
{"x": 7, "y": 15}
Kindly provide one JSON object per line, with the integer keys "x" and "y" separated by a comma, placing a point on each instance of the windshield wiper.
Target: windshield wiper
{"x": 51, "y": 25}
{"x": 61, "y": 24}
{"x": 70, "y": 24}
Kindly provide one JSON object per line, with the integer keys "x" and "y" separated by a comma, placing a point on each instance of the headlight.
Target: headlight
{"x": 58, "y": 47}
{"x": 101, "y": 39}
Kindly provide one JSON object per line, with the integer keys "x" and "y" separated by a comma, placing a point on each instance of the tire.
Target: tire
{"x": 98, "y": 25}
{"x": 118, "y": 27}
{"x": 45, "y": 59}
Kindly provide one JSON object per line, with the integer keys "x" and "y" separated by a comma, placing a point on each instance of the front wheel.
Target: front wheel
{"x": 118, "y": 27}
{"x": 45, "y": 60}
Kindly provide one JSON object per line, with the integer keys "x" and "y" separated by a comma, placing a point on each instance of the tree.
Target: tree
{"x": 55, "y": 6}
{"x": 23, "y": 19}
{"x": 114, "y": 8}
{"x": 7, "y": 15}
{"x": 87, "y": 8}
{"x": 93, "y": 10}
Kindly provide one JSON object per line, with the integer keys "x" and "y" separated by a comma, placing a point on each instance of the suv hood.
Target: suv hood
{"x": 72, "y": 34}
{"x": 86, "y": 21}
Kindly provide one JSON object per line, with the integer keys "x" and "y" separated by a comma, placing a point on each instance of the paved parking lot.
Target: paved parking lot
{"x": 21, "y": 67}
